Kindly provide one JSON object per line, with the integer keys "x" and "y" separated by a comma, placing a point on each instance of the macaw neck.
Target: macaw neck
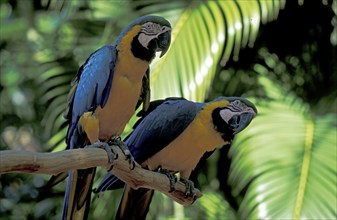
{"x": 221, "y": 126}
{"x": 141, "y": 52}
{"x": 212, "y": 110}
{"x": 127, "y": 64}
{"x": 128, "y": 44}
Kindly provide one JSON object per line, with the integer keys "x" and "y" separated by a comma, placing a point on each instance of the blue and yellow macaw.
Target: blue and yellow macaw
{"x": 176, "y": 135}
{"x": 108, "y": 88}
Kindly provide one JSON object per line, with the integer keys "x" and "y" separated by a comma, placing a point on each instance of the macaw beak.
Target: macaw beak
{"x": 240, "y": 121}
{"x": 164, "y": 41}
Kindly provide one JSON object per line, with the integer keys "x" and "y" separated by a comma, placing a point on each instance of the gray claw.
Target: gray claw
{"x": 190, "y": 190}
{"x": 112, "y": 155}
{"x": 172, "y": 178}
{"x": 118, "y": 141}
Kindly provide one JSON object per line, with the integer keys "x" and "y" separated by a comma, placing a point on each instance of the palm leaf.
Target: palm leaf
{"x": 207, "y": 33}
{"x": 284, "y": 164}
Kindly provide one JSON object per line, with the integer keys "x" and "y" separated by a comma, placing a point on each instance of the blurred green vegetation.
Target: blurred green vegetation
{"x": 282, "y": 166}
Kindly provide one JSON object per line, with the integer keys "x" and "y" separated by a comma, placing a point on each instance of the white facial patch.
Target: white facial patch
{"x": 144, "y": 39}
{"x": 227, "y": 114}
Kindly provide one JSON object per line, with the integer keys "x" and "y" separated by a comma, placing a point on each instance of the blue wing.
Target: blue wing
{"x": 90, "y": 89}
{"x": 91, "y": 86}
{"x": 164, "y": 124}
{"x": 155, "y": 131}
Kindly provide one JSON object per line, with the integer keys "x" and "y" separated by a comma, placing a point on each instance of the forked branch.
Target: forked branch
{"x": 57, "y": 162}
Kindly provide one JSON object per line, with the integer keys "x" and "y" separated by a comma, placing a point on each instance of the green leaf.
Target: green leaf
{"x": 284, "y": 165}
{"x": 207, "y": 33}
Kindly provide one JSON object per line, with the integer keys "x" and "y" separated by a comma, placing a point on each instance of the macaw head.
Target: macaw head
{"x": 147, "y": 35}
{"x": 232, "y": 114}
{"x": 155, "y": 33}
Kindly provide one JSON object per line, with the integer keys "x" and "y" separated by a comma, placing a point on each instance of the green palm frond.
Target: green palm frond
{"x": 207, "y": 34}
{"x": 284, "y": 164}
{"x": 54, "y": 86}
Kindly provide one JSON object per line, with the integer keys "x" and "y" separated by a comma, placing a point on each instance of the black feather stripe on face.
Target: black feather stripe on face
{"x": 221, "y": 126}
{"x": 141, "y": 52}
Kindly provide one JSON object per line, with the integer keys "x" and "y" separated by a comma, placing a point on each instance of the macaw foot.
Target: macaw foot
{"x": 172, "y": 178}
{"x": 190, "y": 190}
{"x": 118, "y": 141}
{"x": 105, "y": 146}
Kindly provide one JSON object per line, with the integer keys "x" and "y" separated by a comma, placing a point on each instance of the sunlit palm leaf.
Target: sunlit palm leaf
{"x": 206, "y": 34}
{"x": 284, "y": 164}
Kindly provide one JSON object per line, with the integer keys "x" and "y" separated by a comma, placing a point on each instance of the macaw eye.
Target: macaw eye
{"x": 148, "y": 26}
{"x": 236, "y": 102}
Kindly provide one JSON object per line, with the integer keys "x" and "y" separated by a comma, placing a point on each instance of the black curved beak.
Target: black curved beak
{"x": 164, "y": 41}
{"x": 240, "y": 122}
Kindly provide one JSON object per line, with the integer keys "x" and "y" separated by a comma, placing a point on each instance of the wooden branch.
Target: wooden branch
{"x": 54, "y": 163}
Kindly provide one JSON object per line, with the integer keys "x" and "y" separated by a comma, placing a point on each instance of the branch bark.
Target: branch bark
{"x": 57, "y": 162}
